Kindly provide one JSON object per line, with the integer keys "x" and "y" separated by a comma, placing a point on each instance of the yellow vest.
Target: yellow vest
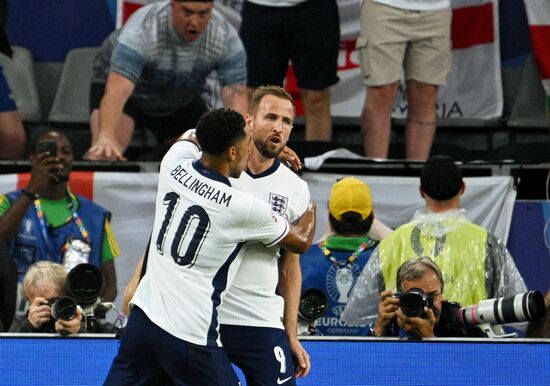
{"x": 460, "y": 253}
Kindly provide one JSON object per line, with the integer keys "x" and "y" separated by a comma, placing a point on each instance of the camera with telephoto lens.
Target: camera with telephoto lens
{"x": 412, "y": 302}
{"x": 528, "y": 306}
{"x": 62, "y": 308}
{"x": 313, "y": 305}
{"x": 85, "y": 283}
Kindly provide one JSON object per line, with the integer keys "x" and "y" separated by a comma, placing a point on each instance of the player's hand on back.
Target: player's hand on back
{"x": 290, "y": 158}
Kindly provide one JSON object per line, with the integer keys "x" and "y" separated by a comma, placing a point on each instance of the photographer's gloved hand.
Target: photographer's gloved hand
{"x": 68, "y": 327}
{"x": 416, "y": 326}
{"x": 386, "y": 312}
{"x": 39, "y": 312}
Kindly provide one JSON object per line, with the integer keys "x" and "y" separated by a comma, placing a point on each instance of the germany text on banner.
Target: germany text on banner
{"x": 538, "y": 14}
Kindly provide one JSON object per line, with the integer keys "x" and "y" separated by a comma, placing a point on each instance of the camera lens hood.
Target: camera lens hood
{"x": 85, "y": 283}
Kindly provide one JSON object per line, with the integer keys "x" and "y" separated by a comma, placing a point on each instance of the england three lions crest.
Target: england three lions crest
{"x": 278, "y": 203}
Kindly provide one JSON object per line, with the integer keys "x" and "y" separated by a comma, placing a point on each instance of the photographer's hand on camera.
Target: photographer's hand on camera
{"x": 43, "y": 172}
{"x": 39, "y": 312}
{"x": 417, "y": 326}
{"x": 67, "y": 327}
{"x": 387, "y": 308}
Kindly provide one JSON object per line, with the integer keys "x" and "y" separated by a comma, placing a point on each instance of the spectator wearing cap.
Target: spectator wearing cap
{"x": 334, "y": 264}
{"x": 475, "y": 264}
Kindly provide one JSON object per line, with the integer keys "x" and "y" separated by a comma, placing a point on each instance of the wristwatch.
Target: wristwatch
{"x": 32, "y": 196}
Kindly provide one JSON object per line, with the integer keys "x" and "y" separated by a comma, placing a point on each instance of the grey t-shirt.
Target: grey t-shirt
{"x": 166, "y": 70}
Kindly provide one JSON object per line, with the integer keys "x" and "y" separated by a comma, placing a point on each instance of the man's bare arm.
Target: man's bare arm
{"x": 107, "y": 145}
{"x": 235, "y": 97}
{"x": 132, "y": 286}
{"x": 299, "y": 239}
{"x": 290, "y": 283}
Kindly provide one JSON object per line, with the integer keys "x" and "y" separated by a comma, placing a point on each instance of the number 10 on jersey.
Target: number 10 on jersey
{"x": 185, "y": 238}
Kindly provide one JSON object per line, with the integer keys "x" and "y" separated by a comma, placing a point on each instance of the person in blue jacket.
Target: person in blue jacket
{"x": 334, "y": 264}
{"x": 47, "y": 221}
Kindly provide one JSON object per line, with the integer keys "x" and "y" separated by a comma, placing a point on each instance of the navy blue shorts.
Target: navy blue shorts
{"x": 7, "y": 102}
{"x": 148, "y": 355}
{"x": 307, "y": 34}
{"x": 262, "y": 353}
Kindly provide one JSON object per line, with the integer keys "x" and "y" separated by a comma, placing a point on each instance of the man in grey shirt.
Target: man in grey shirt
{"x": 152, "y": 71}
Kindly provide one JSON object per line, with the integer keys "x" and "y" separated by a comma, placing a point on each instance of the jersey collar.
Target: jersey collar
{"x": 272, "y": 169}
{"x": 211, "y": 174}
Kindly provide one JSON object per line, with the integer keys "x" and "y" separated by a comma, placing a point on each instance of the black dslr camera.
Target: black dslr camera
{"x": 414, "y": 301}
{"x": 62, "y": 308}
{"x": 83, "y": 287}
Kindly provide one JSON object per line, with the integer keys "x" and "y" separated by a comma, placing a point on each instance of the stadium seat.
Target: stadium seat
{"x": 19, "y": 72}
{"x": 528, "y": 109}
{"x": 70, "y": 105}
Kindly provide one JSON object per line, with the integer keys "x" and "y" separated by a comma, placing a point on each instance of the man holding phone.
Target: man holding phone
{"x": 46, "y": 221}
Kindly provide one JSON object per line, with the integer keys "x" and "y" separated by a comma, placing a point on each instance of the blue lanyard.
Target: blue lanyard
{"x": 44, "y": 227}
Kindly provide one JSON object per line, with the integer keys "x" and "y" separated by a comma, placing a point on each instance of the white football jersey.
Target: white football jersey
{"x": 201, "y": 222}
{"x": 252, "y": 298}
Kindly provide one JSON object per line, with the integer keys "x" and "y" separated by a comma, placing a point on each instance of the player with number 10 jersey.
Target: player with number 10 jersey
{"x": 200, "y": 225}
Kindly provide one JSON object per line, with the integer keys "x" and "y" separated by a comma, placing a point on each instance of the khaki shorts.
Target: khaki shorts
{"x": 393, "y": 40}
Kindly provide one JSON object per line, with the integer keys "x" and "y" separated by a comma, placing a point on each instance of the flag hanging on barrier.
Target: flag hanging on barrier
{"x": 130, "y": 197}
{"x": 538, "y": 15}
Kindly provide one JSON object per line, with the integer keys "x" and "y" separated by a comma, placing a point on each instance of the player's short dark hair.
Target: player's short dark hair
{"x": 40, "y": 135}
{"x": 440, "y": 178}
{"x": 263, "y": 91}
{"x": 351, "y": 223}
{"x": 219, "y": 129}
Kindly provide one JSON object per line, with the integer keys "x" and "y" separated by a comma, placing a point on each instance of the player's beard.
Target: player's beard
{"x": 267, "y": 149}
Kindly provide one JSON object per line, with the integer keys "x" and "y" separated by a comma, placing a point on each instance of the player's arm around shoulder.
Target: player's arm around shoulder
{"x": 300, "y": 237}
{"x": 186, "y": 147}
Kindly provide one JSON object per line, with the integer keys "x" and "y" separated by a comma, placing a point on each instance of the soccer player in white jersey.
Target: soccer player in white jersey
{"x": 252, "y": 316}
{"x": 201, "y": 223}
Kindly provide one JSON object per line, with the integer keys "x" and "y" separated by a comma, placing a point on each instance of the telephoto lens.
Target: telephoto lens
{"x": 63, "y": 308}
{"x": 528, "y": 306}
{"x": 85, "y": 283}
{"x": 313, "y": 305}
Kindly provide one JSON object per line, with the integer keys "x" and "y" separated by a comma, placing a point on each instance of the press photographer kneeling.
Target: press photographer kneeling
{"x": 44, "y": 283}
{"x": 66, "y": 303}
{"x": 418, "y": 308}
